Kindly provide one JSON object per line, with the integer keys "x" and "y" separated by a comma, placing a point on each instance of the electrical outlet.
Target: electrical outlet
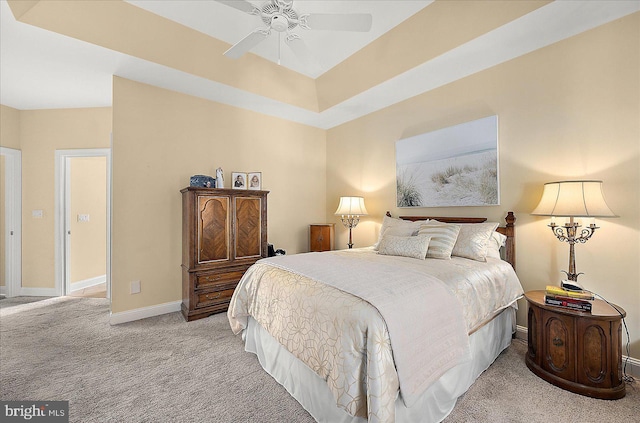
{"x": 135, "y": 287}
{"x": 37, "y": 214}
{"x": 83, "y": 218}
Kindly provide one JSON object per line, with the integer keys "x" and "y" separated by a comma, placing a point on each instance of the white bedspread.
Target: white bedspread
{"x": 343, "y": 338}
{"x": 424, "y": 319}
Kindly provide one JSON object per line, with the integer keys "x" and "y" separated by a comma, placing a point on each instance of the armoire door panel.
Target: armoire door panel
{"x": 213, "y": 229}
{"x": 248, "y": 227}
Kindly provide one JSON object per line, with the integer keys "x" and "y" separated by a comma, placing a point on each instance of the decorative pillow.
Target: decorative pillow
{"x": 496, "y": 242}
{"x": 443, "y": 238}
{"x": 405, "y": 246}
{"x": 473, "y": 240}
{"x": 400, "y": 228}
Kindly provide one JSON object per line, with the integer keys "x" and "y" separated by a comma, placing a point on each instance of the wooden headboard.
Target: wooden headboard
{"x": 509, "y": 230}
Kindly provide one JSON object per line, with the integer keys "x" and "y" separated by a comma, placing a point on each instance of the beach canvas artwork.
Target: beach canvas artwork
{"x": 454, "y": 166}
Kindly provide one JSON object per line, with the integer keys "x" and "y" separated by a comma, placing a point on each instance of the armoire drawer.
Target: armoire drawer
{"x": 209, "y": 298}
{"x": 209, "y": 280}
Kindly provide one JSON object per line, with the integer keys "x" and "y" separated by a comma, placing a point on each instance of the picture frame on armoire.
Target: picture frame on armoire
{"x": 238, "y": 180}
{"x": 254, "y": 181}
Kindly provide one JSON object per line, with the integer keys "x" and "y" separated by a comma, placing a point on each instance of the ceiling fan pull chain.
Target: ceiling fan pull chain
{"x": 279, "y": 46}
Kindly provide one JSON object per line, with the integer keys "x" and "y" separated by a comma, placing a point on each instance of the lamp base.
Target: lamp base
{"x": 572, "y": 276}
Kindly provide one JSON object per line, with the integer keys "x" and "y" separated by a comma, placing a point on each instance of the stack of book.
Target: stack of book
{"x": 575, "y": 300}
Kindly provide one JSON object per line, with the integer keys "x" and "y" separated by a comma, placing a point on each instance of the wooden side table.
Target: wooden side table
{"x": 577, "y": 351}
{"x": 321, "y": 236}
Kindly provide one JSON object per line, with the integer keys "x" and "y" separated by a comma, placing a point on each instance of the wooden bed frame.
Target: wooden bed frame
{"x": 509, "y": 230}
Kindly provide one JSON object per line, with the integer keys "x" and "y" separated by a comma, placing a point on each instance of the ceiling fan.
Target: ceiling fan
{"x": 280, "y": 16}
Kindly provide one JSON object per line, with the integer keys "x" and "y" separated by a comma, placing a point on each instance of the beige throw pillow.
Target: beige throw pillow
{"x": 398, "y": 227}
{"x": 405, "y": 246}
{"x": 443, "y": 238}
{"x": 473, "y": 240}
{"x": 496, "y": 242}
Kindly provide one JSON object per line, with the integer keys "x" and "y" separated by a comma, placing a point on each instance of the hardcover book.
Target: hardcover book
{"x": 583, "y": 295}
{"x": 574, "y": 305}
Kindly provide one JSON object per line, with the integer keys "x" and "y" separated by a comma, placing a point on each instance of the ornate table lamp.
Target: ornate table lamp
{"x": 573, "y": 199}
{"x": 350, "y": 209}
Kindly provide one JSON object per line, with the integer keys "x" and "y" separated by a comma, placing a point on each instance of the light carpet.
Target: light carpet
{"x": 163, "y": 369}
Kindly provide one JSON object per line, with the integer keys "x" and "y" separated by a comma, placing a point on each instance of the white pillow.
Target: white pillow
{"x": 496, "y": 242}
{"x": 405, "y": 246}
{"x": 473, "y": 240}
{"x": 443, "y": 238}
{"x": 400, "y": 228}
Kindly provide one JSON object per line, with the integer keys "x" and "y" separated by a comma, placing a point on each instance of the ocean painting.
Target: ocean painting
{"x": 455, "y": 166}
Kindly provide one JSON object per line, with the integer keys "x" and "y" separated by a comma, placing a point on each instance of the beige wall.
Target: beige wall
{"x": 160, "y": 139}
{"x": 9, "y": 127}
{"x": 566, "y": 111}
{"x": 88, "y": 252}
{"x": 42, "y": 132}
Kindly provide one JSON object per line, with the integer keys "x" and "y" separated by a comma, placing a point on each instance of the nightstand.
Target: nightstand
{"x": 321, "y": 236}
{"x": 577, "y": 351}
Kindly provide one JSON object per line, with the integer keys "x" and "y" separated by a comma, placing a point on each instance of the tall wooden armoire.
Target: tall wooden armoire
{"x": 224, "y": 231}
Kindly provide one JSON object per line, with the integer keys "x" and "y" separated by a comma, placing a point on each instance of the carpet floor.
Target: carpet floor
{"x": 163, "y": 369}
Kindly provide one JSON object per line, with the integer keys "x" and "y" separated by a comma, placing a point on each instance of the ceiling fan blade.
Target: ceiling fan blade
{"x": 360, "y": 22}
{"x": 247, "y": 43}
{"x": 241, "y": 5}
{"x": 299, "y": 48}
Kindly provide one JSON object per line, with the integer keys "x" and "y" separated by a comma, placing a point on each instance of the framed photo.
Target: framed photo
{"x": 238, "y": 180}
{"x": 254, "y": 180}
{"x": 454, "y": 166}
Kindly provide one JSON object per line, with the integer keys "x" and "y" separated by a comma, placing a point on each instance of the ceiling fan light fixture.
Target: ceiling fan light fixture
{"x": 280, "y": 16}
{"x": 279, "y": 22}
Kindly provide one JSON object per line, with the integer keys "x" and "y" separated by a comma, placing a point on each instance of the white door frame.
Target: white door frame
{"x": 63, "y": 212}
{"x": 13, "y": 220}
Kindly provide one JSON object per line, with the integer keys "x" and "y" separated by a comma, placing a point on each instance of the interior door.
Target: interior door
{"x": 10, "y": 221}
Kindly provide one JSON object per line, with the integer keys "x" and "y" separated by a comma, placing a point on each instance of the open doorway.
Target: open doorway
{"x": 83, "y": 222}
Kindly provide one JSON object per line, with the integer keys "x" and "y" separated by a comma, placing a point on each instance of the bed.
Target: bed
{"x": 383, "y": 334}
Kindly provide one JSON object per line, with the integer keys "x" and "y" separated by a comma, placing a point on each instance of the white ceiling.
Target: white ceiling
{"x": 231, "y": 25}
{"x": 40, "y": 69}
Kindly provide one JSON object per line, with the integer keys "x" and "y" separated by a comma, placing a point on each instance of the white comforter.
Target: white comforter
{"x": 345, "y": 340}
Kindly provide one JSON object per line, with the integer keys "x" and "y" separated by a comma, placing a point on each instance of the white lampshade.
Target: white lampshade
{"x": 351, "y": 206}
{"x": 573, "y": 199}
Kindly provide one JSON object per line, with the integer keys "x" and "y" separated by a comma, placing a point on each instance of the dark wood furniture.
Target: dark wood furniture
{"x": 509, "y": 230}
{"x": 322, "y": 236}
{"x": 224, "y": 232}
{"x": 577, "y": 351}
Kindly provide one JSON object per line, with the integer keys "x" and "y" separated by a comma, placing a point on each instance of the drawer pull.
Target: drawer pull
{"x": 558, "y": 342}
{"x": 213, "y": 278}
{"x": 213, "y": 297}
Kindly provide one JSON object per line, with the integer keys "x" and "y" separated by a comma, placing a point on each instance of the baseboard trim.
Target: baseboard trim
{"x": 88, "y": 283}
{"x": 633, "y": 364}
{"x": 37, "y": 292}
{"x": 144, "y": 312}
{"x": 521, "y": 333}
